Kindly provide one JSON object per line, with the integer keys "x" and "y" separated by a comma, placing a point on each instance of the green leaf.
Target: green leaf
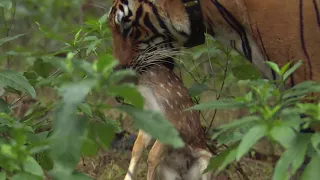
{"x": 103, "y": 132}
{"x": 292, "y": 158}
{"x": 89, "y": 147}
{"x": 42, "y": 68}
{"x": 103, "y": 19}
{"x": 7, "y": 39}
{"x": 273, "y": 66}
{"x": 291, "y": 70}
{"x": 239, "y": 122}
{"x": 155, "y": 124}
{"x": 31, "y": 166}
{"x": 220, "y": 162}
{"x": 105, "y": 65}
{"x": 120, "y": 75}
{"x": 245, "y": 72}
{"x": 312, "y": 169}
{"x": 284, "y": 68}
{"x": 69, "y": 129}
{"x": 315, "y": 140}
{"x": 4, "y": 106}
{"x": 25, "y": 176}
{"x": 44, "y": 160}
{"x": 16, "y": 81}
{"x": 129, "y": 93}
{"x": 217, "y": 104}
{"x": 284, "y": 135}
{"x": 3, "y": 175}
{"x": 253, "y": 135}
{"x": 85, "y": 108}
{"x": 197, "y": 89}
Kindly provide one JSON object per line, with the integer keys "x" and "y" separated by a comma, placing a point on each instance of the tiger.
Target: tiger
{"x": 277, "y": 31}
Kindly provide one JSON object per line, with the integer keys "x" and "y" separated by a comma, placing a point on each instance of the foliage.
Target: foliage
{"x": 53, "y": 135}
{"x": 276, "y": 114}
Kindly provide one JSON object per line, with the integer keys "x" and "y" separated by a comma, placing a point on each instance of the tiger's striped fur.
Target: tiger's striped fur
{"x": 272, "y": 30}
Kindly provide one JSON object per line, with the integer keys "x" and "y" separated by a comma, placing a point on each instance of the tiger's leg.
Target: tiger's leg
{"x": 140, "y": 144}
{"x": 154, "y": 159}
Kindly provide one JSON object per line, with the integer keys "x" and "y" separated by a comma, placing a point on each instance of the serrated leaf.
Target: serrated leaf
{"x": 7, "y": 39}
{"x": 292, "y": 158}
{"x": 120, "y": 75}
{"x": 253, "y": 135}
{"x": 16, "y": 81}
{"x": 31, "y": 166}
{"x": 155, "y": 125}
{"x": 312, "y": 169}
{"x": 217, "y": 104}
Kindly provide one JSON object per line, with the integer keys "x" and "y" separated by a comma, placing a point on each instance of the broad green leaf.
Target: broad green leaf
{"x": 4, "y": 107}
{"x": 291, "y": 70}
{"x": 120, "y": 75}
{"x": 155, "y": 124}
{"x": 105, "y": 65}
{"x": 85, "y": 108}
{"x": 103, "y": 132}
{"x": 3, "y": 175}
{"x": 89, "y": 147}
{"x": 129, "y": 93}
{"x": 315, "y": 140}
{"x": 25, "y": 176}
{"x": 292, "y": 158}
{"x": 273, "y": 66}
{"x": 217, "y": 104}
{"x": 66, "y": 139}
{"x": 32, "y": 77}
{"x": 253, "y": 135}
{"x": 31, "y": 166}
{"x": 16, "y": 81}
{"x": 7, "y": 4}
{"x": 44, "y": 160}
{"x": 197, "y": 89}
{"x": 7, "y": 39}
{"x": 312, "y": 169}
{"x": 284, "y": 135}
{"x": 219, "y": 163}
{"x": 42, "y": 68}
{"x": 245, "y": 71}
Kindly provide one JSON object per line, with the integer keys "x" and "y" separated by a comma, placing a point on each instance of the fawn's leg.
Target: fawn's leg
{"x": 140, "y": 144}
{"x": 196, "y": 170}
{"x": 154, "y": 159}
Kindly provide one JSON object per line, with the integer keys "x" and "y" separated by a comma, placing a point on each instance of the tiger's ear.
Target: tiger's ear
{"x": 122, "y": 48}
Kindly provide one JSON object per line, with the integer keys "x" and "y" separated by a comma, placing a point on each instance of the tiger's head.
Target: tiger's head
{"x": 147, "y": 29}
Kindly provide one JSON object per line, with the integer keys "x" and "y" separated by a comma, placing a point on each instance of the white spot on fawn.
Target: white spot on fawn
{"x": 179, "y": 94}
{"x": 162, "y": 85}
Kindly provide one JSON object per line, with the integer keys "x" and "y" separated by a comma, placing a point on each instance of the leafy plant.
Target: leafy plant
{"x": 275, "y": 113}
